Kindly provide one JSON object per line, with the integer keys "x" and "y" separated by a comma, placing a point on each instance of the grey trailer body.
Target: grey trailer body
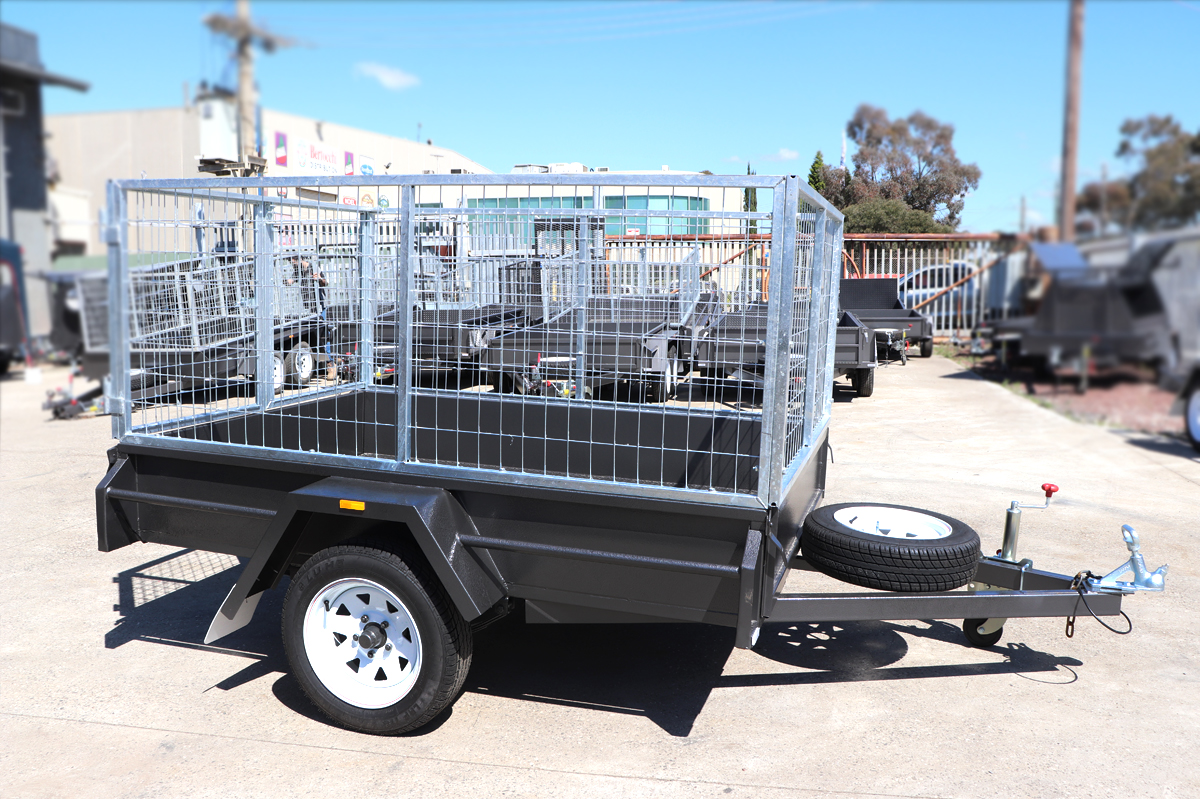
{"x": 876, "y": 303}
{"x": 855, "y": 355}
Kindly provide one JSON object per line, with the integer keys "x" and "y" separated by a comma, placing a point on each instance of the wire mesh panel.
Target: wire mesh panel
{"x": 609, "y": 329}
{"x": 92, "y": 290}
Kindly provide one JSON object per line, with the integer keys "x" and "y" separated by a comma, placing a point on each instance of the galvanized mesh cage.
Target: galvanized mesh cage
{"x": 602, "y": 332}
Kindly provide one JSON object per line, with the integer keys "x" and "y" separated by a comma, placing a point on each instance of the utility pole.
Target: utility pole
{"x": 1066, "y": 208}
{"x": 241, "y": 29}
{"x": 1103, "y": 197}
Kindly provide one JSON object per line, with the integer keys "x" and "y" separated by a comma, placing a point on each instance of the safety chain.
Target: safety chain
{"x": 1079, "y": 586}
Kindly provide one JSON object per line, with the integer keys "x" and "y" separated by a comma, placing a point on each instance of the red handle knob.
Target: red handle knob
{"x": 1049, "y": 488}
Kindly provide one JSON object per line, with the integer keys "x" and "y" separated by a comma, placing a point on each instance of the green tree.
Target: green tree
{"x": 878, "y": 215}
{"x": 911, "y": 160}
{"x": 1165, "y": 188}
{"x": 816, "y": 173}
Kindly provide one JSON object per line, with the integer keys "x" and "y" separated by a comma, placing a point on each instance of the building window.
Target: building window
{"x": 655, "y": 225}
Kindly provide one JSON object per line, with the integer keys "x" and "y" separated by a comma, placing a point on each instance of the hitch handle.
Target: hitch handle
{"x": 1012, "y": 522}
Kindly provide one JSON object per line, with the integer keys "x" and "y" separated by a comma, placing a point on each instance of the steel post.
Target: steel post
{"x": 366, "y": 293}
{"x": 264, "y": 312}
{"x": 781, "y": 284}
{"x": 406, "y": 252}
{"x": 116, "y": 236}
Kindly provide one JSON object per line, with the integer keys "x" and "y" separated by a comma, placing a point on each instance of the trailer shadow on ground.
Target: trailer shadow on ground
{"x": 662, "y": 672}
{"x": 1163, "y": 445}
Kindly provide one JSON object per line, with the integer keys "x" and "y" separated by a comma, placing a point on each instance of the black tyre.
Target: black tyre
{"x": 5, "y": 360}
{"x": 890, "y": 547}
{"x": 299, "y": 365}
{"x": 927, "y": 348}
{"x": 373, "y": 640}
{"x": 976, "y": 638}
{"x": 1191, "y": 417}
{"x": 864, "y": 382}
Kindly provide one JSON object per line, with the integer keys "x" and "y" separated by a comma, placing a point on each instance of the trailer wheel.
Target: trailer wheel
{"x": 1191, "y": 418}
{"x": 299, "y": 365}
{"x": 890, "y": 547}
{"x": 278, "y": 373}
{"x": 662, "y": 388}
{"x": 374, "y": 642}
{"x": 864, "y": 382}
{"x": 927, "y": 348}
{"x": 976, "y": 638}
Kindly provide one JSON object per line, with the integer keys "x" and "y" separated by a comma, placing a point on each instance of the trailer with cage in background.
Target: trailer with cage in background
{"x": 407, "y": 509}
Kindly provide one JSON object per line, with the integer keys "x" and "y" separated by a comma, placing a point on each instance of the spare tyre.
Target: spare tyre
{"x": 890, "y": 547}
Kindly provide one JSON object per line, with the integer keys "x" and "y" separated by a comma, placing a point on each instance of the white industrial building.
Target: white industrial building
{"x": 92, "y": 148}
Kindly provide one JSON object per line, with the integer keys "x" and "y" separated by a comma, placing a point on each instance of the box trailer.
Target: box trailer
{"x": 405, "y": 513}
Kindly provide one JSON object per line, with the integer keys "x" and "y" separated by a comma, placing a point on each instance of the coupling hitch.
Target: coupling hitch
{"x": 1143, "y": 578}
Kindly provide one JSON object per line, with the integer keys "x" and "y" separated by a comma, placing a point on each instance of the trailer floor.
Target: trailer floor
{"x": 108, "y": 690}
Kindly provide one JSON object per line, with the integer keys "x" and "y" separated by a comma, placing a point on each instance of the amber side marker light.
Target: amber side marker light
{"x": 352, "y": 504}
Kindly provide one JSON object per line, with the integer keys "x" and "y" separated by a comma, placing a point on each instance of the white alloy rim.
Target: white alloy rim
{"x": 892, "y": 522}
{"x": 277, "y": 374}
{"x": 362, "y": 643}
{"x": 1193, "y": 415}
{"x": 304, "y": 365}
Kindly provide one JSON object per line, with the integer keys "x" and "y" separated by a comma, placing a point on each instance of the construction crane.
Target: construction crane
{"x": 245, "y": 35}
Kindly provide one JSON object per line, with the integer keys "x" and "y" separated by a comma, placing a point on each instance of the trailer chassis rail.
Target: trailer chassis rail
{"x": 1020, "y": 592}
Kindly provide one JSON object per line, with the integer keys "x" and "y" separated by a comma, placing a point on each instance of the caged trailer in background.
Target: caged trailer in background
{"x": 428, "y": 398}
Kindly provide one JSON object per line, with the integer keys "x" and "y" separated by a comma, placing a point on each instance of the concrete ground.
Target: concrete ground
{"x": 107, "y": 690}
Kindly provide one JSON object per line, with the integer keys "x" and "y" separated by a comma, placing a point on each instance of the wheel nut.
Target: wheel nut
{"x": 387, "y": 647}
{"x": 371, "y": 654}
{"x": 365, "y": 618}
{"x": 383, "y": 625}
{"x": 356, "y": 639}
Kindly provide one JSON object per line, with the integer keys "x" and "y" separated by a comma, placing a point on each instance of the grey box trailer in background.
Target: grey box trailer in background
{"x": 876, "y": 302}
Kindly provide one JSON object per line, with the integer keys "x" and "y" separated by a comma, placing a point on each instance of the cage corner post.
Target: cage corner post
{"x": 405, "y": 281}
{"x": 264, "y": 312}
{"x": 117, "y": 238}
{"x": 781, "y": 284}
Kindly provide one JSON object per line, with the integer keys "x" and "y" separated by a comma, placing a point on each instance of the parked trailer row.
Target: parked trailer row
{"x": 406, "y": 512}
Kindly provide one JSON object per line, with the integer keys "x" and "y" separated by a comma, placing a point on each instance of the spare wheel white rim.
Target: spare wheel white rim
{"x": 362, "y": 644}
{"x": 896, "y": 523}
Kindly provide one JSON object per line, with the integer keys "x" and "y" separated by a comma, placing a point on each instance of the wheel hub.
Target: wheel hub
{"x": 892, "y": 522}
{"x": 372, "y": 636}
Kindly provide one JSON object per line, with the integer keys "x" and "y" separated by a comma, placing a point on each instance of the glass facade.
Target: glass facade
{"x": 654, "y": 225}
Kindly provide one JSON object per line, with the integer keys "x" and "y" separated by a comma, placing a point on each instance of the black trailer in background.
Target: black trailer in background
{"x": 876, "y": 303}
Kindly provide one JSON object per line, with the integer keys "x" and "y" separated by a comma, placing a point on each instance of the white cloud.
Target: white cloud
{"x": 734, "y": 159}
{"x": 784, "y": 154}
{"x": 396, "y": 80}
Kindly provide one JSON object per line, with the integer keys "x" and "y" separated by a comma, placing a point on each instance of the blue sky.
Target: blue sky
{"x": 640, "y": 84}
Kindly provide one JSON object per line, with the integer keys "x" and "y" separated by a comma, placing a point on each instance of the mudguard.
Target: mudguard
{"x": 432, "y": 515}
